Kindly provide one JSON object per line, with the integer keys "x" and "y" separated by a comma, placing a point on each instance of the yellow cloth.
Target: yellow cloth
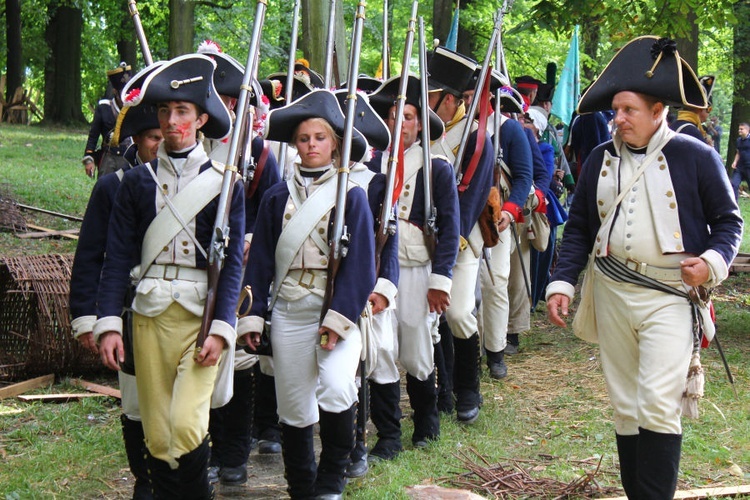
{"x": 689, "y": 116}
{"x": 174, "y": 392}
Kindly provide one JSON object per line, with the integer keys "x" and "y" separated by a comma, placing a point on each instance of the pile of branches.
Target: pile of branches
{"x": 515, "y": 480}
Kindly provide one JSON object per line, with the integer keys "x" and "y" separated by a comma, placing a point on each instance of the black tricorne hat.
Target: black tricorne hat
{"x": 366, "y": 120}
{"x": 707, "y": 82}
{"x": 228, "y": 74}
{"x": 189, "y": 78}
{"x": 135, "y": 116}
{"x": 273, "y": 90}
{"x": 366, "y": 84}
{"x": 511, "y": 101}
{"x": 546, "y": 92}
{"x": 647, "y": 65}
{"x": 304, "y": 74}
{"x": 383, "y": 99}
{"x": 119, "y": 76}
{"x": 450, "y": 71}
{"x": 320, "y": 103}
{"x": 497, "y": 80}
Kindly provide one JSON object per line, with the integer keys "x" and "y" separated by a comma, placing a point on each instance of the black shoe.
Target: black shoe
{"x": 512, "y": 347}
{"x": 467, "y": 416}
{"x": 213, "y": 474}
{"x": 232, "y": 476}
{"x": 269, "y": 447}
{"x": 496, "y": 364}
{"x": 358, "y": 468}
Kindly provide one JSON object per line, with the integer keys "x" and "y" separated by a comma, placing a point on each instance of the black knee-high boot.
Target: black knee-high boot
{"x": 658, "y": 464}
{"x": 423, "y": 399}
{"x": 627, "y": 451}
{"x": 466, "y": 378}
{"x": 385, "y": 414}
{"x": 443, "y": 353}
{"x": 299, "y": 461}
{"x": 193, "y": 473}
{"x": 337, "y": 442}
{"x": 165, "y": 481}
{"x": 266, "y": 418}
{"x": 132, "y": 434}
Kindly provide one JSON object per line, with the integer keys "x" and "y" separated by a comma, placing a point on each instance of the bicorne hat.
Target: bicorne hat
{"x": 189, "y": 78}
{"x": 228, "y": 74}
{"x": 647, "y": 65}
{"x": 119, "y": 76}
{"x": 383, "y": 99}
{"x": 511, "y": 101}
{"x": 135, "y": 115}
{"x": 320, "y": 103}
{"x": 450, "y": 71}
{"x": 707, "y": 82}
{"x": 366, "y": 120}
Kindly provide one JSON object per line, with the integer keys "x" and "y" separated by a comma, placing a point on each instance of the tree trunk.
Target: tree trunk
{"x": 688, "y": 46}
{"x": 740, "y": 104}
{"x": 181, "y": 27}
{"x": 442, "y": 15}
{"x": 314, "y": 30}
{"x": 62, "y": 73}
{"x": 590, "y": 37}
{"x": 126, "y": 45}
{"x": 14, "y": 70}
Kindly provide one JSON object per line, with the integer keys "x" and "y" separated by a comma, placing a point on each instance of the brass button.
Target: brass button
{"x": 406, "y": 186}
{"x": 676, "y": 234}
{"x": 324, "y": 262}
{"x": 321, "y": 230}
{"x": 184, "y": 243}
{"x": 661, "y": 158}
{"x": 403, "y": 209}
{"x": 670, "y": 194}
{"x": 287, "y": 216}
{"x": 662, "y": 166}
{"x": 406, "y": 193}
{"x": 186, "y": 251}
{"x": 608, "y": 163}
{"x": 604, "y": 173}
{"x": 598, "y": 239}
{"x": 603, "y": 214}
{"x": 598, "y": 251}
{"x": 346, "y": 327}
{"x": 672, "y": 205}
{"x": 679, "y": 248}
{"x": 165, "y": 187}
{"x": 166, "y": 249}
{"x": 601, "y": 203}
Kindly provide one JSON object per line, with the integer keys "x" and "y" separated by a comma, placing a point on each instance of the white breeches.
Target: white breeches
{"x": 495, "y": 305}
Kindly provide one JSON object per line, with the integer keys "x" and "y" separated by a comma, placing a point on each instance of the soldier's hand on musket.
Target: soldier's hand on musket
{"x": 694, "y": 271}
{"x": 558, "y": 304}
{"x": 111, "y": 350}
{"x": 252, "y": 340}
{"x": 378, "y": 302}
{"x": 211, "y": 350}
{"x": 87, "y": 342}
{"x": 438, "y": 300}
{"x": 505, "y": 219}
{"x": 89, "y": 165}
{"x": 328, "y": 338}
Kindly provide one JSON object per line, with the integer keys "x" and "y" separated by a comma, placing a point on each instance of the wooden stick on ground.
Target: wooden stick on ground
{"x": 101, "y": 389}
{"x": 722, "y": 491}
{"x": 58, "y": 398}
{"x": 27, "y": 385}
{"x": 48, "y": 230}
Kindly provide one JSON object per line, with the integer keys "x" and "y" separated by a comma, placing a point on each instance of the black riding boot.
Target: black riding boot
{"x": 627, "y": 451}
{"x": 337, "y": 442}
{"x": 299, "y": 461}
{"x": 423, "y": 399}
{"x": 443, "y": 352}
{"x": 358, "y": 459}
{"x": 466, "y": 378}
{"x": 193, "y": 474}
{"x": 385, "y": 414}
{"x": 165, "y": 481}
{"x": 231, "y": 430}
{"x": 658, "y": 464}
{"x": 266, "y": 417}
{"x": 132, "y": 434}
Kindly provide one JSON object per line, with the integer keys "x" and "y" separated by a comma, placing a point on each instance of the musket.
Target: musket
{"x": 330, "y": 44}
{"x": 220, "y": 236}
{"x": 339, "y": 241}
{"x": 289, "y": 84}
{"x": 430, "y": 212}
{"x": 133, "y": 8}
{"x": 384, "y": 48}
{"x": 387, "y": 222}
{"x": 483, "y": 75}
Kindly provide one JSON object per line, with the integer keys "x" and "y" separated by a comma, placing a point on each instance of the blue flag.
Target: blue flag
{"x": 452, "y": 40}
{"x": 568, "y": 90}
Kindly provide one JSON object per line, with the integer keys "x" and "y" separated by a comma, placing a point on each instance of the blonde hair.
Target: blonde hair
{"x": 336, "y": 153}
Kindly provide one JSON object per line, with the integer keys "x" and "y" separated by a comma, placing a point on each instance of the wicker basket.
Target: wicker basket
{"x": 35, "y": 332}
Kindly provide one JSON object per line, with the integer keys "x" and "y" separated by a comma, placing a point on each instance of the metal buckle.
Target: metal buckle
{"x": 166, "y": 273}
{"x": 311, "y": 284}
{"x": 637, "y": 266}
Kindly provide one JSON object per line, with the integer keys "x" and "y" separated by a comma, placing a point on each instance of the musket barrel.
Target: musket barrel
{"x": 330, "y": 44}
{"x": 429, "y": 205}
{"x": 289, "y": 84}
{"x": 475, "y": 102}
{"x": 384, "y": 57}
{"x": 133, "y": 8}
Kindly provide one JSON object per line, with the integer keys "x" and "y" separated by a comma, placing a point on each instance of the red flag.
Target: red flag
{"x": 399, "y": 182}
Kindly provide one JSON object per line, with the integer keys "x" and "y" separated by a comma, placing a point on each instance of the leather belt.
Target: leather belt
{"x": 308, "y": 278}
{"x": 654, "y": 272}
{"x": 170, "y": 272}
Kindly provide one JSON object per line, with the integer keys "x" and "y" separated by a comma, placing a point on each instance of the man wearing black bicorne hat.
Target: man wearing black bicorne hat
{"x": 109, "y": 157}
{"x": 159, "y": 232}
{"x": 450, "y": 76}
{"x": 655, "y": 219}
{"x": 691, "y": 120}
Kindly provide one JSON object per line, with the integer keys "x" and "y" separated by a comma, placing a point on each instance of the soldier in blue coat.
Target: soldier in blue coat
{"x": 161, "y": 225}
{"x": 450, "y": 74}
{"x": 316, "y": 346}
{"x": 654, "y": 223}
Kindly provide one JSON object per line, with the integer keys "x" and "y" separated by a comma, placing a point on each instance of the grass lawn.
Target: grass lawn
{"x": 550, "y": 416}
